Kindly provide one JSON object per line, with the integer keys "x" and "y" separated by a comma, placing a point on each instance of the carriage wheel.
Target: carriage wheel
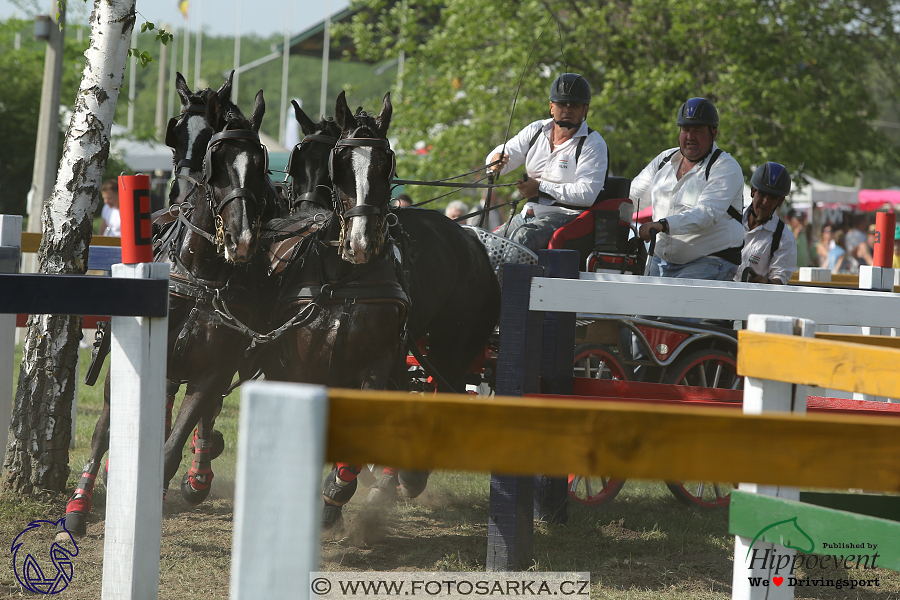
{"x": 592, "y": 491}
{"x": 704, "y": 368}
{"x": 597, "y": 362}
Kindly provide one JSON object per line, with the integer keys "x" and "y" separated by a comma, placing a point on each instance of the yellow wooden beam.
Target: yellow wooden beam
{"x": 556, "y": 437}
{"x": 885, "y": 341}
{"x": 824, "y": 363}
{"x": 31, "y": 242}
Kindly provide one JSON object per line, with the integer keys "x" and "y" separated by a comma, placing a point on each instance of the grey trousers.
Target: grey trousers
{"x": 534, "y": 232}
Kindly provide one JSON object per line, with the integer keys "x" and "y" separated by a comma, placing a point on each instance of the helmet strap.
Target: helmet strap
{"x": 567, "y": 124}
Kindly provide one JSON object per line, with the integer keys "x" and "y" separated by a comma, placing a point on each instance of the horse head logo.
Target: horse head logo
{"x": 788, "y": 534}
{"x": 27, "y": 568}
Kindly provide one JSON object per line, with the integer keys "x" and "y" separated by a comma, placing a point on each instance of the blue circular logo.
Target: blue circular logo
{"x": 28, "y": 569}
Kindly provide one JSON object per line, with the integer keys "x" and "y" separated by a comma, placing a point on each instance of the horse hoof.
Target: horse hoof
{"x": 190, "y": 494}
{"x": 332, "y": 518}
{"x": 76, "y": 524}
{"x": 384, "y": 491}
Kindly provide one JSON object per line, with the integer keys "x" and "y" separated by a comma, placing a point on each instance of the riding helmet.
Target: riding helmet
{"x": 772, "y": 178}
{"x": 698, "y": 111}
{"x": 571, "y": 88}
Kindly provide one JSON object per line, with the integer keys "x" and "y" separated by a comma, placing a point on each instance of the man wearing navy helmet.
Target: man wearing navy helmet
{"x": 696, "y": 191}
{"x": 770, "y": 249}
{"x": 565, "y": 164}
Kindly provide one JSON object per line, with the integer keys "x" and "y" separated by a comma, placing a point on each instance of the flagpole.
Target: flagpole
{"x": 326, "y": 43}
{"x": 198, "y": 45}
{"x": 237, "y": 51}
{"x": 284, "y": 73}
{"x": 185, "y": 60}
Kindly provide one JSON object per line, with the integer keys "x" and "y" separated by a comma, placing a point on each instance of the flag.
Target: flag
{"x": 183, "y": 7}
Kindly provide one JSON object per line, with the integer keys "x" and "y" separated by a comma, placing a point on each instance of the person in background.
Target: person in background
{"x": 896, "y": 262}
{"x": 402, "y": 201}
{"x": 800, "y": 228}
{"x": 493, "y": 219}
{"x": 110, "y": 221}
{"x": 770, "y": 249}
{"x": 456, "y": 209}
{"x": 565, "y": 162}
{"x": 696, "y": 191}
{"x": 856, "y": 235}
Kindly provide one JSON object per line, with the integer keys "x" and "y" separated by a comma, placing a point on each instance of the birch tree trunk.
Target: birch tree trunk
{"x": 37, "y": 455}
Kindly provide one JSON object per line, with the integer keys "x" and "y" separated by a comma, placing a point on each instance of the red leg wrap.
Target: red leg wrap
{"x": 201, "y": 467}
{"x": 346, "y": 471}
{"x": 81, "y": 499}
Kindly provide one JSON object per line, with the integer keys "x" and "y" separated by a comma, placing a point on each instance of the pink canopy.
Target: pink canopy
{"x": 870, "y": 200}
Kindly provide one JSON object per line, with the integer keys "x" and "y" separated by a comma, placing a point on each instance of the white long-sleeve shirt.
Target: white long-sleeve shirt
{"x": 575, "y": 185}
{"x": 695, "y": 208}
{"x": 757, "y": 248}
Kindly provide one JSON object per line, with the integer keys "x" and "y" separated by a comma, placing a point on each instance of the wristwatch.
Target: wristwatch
{"x": 665, "y": 225}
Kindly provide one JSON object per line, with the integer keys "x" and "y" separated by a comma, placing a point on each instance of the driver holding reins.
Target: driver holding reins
{"x": 565, "y": 161}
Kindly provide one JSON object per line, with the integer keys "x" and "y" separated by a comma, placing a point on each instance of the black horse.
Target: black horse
{"x": 455, "y": 298}
{"x": 209, "y": 246}
{"x": 454, "y": 294}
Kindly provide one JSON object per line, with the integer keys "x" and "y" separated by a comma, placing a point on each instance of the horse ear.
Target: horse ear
{"x": 224, "y": 92}
{"x": 306, "y": 124}
{"x": 384, "y": 119}
{"x": 259, "y": 109}
{"x": 183, "y": 90}
{"x": 213, "y": 112}
{"x": 342, "y": 113}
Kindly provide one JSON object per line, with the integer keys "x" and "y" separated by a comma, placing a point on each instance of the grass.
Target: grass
{"x": 643, "y": 545}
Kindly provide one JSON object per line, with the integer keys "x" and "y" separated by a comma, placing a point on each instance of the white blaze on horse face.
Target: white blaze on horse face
{"x": 244, "y": 237}
{"x": 195, "y": 125}
{"x": 361, "y": 160}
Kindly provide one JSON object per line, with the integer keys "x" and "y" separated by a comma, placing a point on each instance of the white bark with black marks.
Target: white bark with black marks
{"x": 37, "y": 453}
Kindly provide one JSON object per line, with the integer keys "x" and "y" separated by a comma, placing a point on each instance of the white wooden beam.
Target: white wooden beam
{"x": 763, "y": 396}
{"x": 278, "y": 483}
{"x": 134, "y": 491}
{"x": 10, "y": 235}
{"x": 688, "y": 298}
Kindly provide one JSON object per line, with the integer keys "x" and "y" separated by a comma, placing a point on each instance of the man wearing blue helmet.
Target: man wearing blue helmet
{"x": 565, "y": 162}
{"x": 696, "y": 191}
{"x": 770, "y": 249}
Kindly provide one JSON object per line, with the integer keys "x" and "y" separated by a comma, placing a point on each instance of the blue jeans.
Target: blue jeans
{"x": 711, "y": 268}
{"x": 535, "y": 232}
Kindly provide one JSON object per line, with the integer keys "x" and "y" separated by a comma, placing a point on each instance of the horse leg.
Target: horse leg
{"x": 196, "y": 483}
{"x": 171, "y": 391}
{"x": 340, "y": 485}
{"x": 80, "y": 504}
{"x": 385, "y": 489}
{"x": 192, "y": 407}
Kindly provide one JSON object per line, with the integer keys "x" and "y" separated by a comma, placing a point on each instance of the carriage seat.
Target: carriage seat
{"x": 603, "y": 229}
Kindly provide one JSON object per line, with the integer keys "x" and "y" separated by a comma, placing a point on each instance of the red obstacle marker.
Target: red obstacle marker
{"x": 884, "y": 239}
{"x": 134, "y": 206}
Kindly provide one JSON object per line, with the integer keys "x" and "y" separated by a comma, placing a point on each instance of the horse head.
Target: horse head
{"x": 189, "y": 133}
{"x": 362, "y": 166}
{"x": 235, "y": 176}
{"x": 308, "y": 163}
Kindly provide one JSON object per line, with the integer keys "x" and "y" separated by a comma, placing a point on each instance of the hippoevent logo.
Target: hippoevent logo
{"x": 36, "y": 571}
{"x": 783, "y": 567}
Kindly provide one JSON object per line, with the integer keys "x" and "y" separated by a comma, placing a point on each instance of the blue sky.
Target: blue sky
{"x": 219, "y": 17}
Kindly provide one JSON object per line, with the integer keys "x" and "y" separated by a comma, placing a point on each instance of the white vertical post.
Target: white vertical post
{"x": 10, "y": 235}
{"x": 281, "y": 446}
{"x": 761, "y": 395}
{"x": 875, "y": 278}
{"x": 326, "y": 53}
{"x": 135, "y": 487}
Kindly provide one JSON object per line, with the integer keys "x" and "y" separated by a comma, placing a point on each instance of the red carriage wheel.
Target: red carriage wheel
{"x": 592, "y": 491}
{"x": 713, "y": 369}
{"x": 597, "y": 361}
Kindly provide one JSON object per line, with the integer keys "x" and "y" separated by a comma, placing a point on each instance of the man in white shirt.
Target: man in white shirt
{"x": 696, "y": 191}
{"x": 770, "y": 249}
{"x": 565, "y": 161}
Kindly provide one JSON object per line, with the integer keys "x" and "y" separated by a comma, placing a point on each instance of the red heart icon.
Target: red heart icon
{"x": 777, "y": 580}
